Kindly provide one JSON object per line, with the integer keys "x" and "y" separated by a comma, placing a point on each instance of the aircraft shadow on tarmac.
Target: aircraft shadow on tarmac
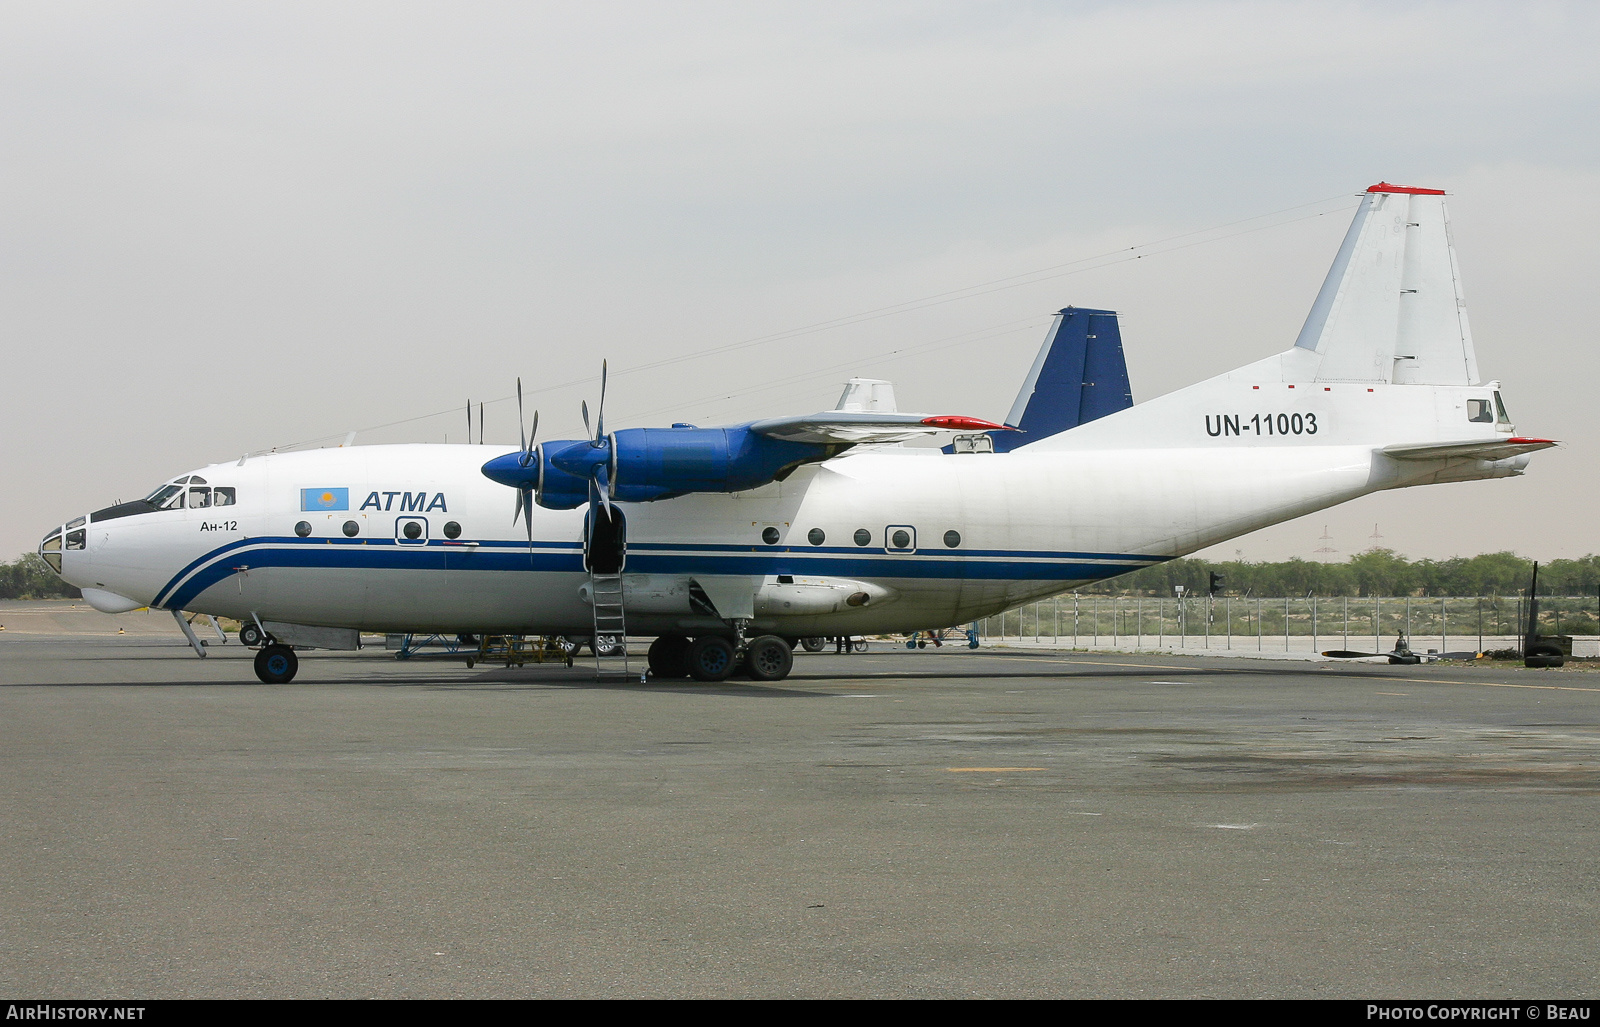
{"x": 863, "y": 669}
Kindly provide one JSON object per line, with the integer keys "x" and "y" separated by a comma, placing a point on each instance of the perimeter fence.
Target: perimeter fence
{"x": 1311, "y": 624}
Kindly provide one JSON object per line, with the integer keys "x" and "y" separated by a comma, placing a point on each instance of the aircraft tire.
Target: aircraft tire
{"x": 669, "y": 657}
{"x": 250, "y": 636}
{"x": 768, "y": 658}
{"x": 813, "y": 645}
{"x": 567, "y": 645}
{"x": 276, "y": 664}
{"x": 710, "y": 658}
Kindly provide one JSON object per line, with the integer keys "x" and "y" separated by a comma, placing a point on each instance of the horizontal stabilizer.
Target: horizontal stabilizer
{"x": 856, "y": 427}
{"x": 1481, "y": 449}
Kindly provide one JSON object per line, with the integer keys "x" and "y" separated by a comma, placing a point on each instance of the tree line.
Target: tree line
{"x": 1377, "y": 572}
{"x": 29, "y": 577}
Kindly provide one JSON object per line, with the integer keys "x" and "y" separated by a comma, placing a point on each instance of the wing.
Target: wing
{"x": 854, "y": 427}
{"x": 1480, "y": 449}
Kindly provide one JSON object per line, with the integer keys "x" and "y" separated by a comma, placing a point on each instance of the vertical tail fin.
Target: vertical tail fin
{"x": 1390, "y": 310}
{"x": 1080, "y": 375}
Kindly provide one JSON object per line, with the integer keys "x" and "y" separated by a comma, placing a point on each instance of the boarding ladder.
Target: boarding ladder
{"x": 606, "y": 598}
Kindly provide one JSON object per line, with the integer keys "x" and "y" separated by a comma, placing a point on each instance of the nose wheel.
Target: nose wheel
{"x": 277, "y": 664}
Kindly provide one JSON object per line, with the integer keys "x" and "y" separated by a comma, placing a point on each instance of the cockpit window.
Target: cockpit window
{"x": 171, "y": 496}
{"x": 50, "y": 549}
{"x": 1480, "y": 411}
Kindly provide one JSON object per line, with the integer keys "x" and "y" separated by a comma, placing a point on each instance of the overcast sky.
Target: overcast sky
{"x": 228, "y": 227}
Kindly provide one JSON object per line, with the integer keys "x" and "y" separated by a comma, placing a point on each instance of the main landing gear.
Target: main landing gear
{"x": 714, "y": 658}
{"x": 276, "y": 664}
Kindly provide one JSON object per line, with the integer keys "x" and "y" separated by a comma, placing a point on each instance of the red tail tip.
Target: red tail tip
{"x": 1385, "y": 187}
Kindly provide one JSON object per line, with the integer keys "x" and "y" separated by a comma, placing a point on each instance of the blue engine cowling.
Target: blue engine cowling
{"x": 656, "y": 463}
{"x": 642, "y": 465}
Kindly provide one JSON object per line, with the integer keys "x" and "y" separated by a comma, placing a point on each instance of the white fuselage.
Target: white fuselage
{"x": 1380, "y": 390}
{"x": 984, "y": 532}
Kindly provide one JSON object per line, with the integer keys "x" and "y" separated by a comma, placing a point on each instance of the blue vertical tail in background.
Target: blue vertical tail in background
{"x": 1080, "y": 375}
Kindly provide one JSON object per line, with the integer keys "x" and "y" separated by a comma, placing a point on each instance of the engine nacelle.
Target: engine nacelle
{"x": 642, "y": 465}
{"x": 658, "y": 463}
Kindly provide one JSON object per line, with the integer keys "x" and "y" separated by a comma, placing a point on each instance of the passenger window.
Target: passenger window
{"x": 411, "y": 531}
{"x": 1480, "y": 411}
{"x": 222, "y": 497}
{"x": 199, "y": 499}
{"x": 900, "y": 538}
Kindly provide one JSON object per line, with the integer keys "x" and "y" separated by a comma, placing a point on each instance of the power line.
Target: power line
{"x": 1051, "y": 272}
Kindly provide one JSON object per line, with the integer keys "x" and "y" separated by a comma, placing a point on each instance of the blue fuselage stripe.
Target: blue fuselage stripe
{"x": 648, "y": 558}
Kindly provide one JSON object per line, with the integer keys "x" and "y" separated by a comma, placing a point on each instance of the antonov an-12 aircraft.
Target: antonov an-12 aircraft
{"x": 728, "y": 544}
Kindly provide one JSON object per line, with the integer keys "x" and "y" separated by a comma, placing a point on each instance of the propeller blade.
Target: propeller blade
{"x": 469, "y": 422}
{"x": 480, "y": 425}
{"x": 527, "y": 452}
{"x": 1344, "y": 654}
{"x": 520, "y": 433}
{"x": 586, "y": 417}
{"x": 605, "y": 493}
{"x": 525, "y": 498}
{"x": 518, "y": 515}
{"x": 600, "y": 414}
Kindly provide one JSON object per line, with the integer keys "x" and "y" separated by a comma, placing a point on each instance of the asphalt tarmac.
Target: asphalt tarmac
{"x": 939, "y": 823}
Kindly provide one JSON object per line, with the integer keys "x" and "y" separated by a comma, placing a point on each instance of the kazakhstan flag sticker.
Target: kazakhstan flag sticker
{"x": 324, "y": 499}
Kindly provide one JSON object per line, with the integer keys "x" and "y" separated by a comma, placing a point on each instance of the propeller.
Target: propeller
{"x": 600, "y": 475}
{"x": 524, "y": 510}
{"x": 1401, "y": 653}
